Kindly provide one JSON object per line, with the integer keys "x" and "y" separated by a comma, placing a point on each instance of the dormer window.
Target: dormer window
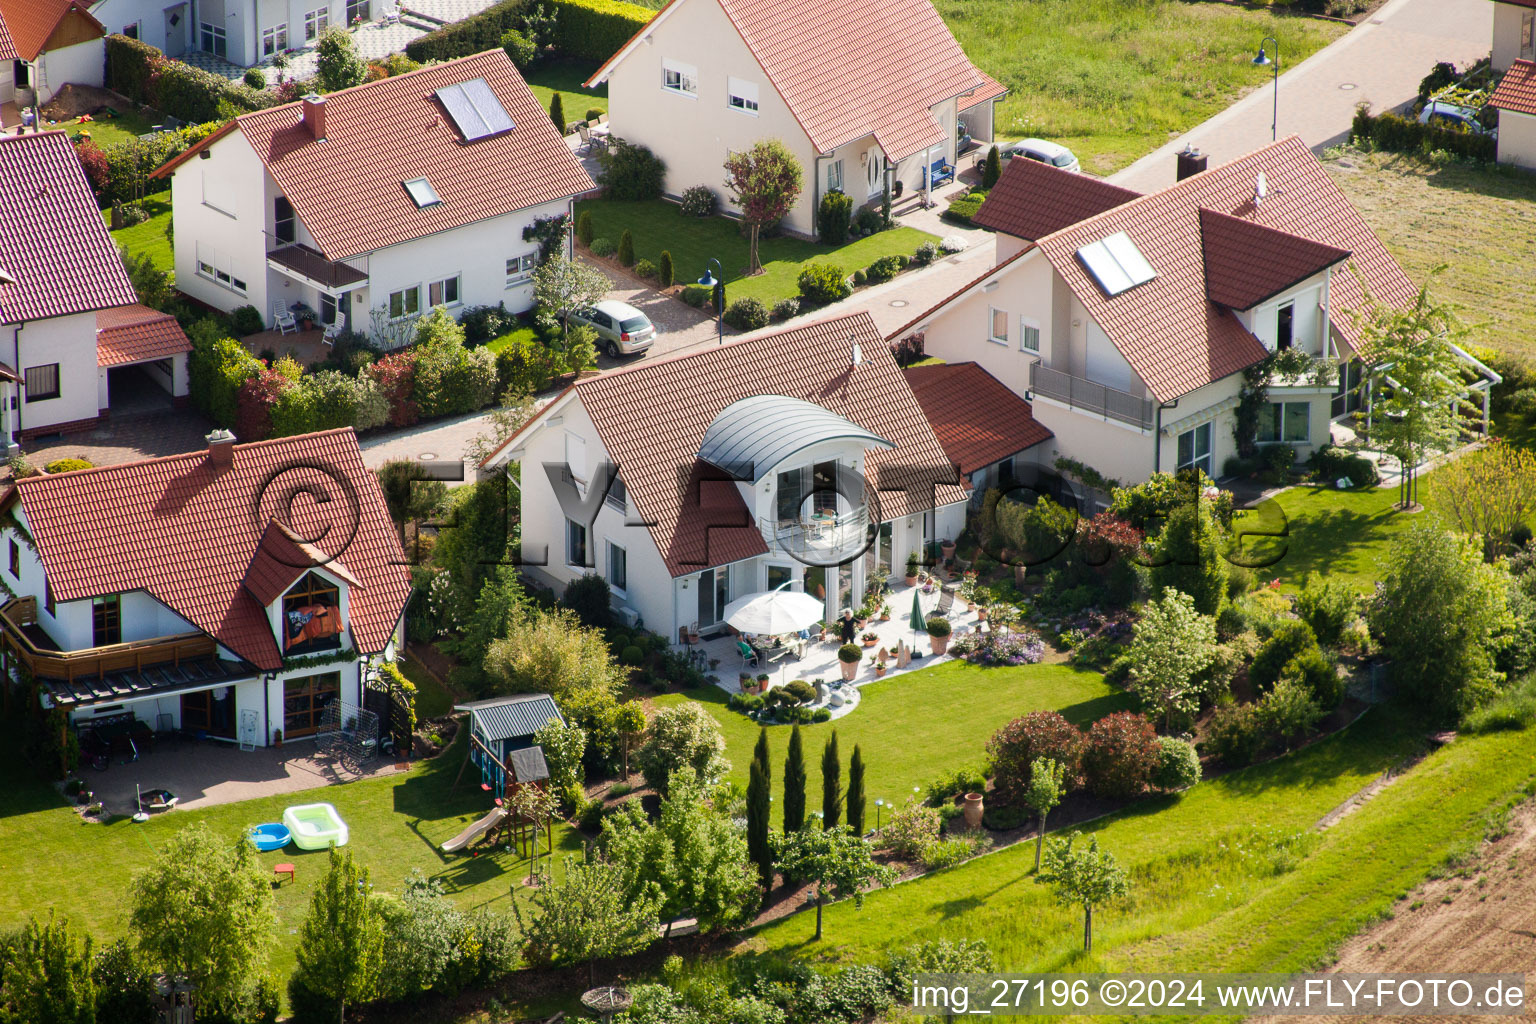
{"x": 1285, "y": 326}
{"x": 311, "y": 616}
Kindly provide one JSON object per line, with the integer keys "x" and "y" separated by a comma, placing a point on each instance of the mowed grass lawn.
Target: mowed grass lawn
{"x": 50, "y": 859}
{"x": 1476, "y": 220}
{"x": 1115, "y": 79}
{"x": 659, "y": 225}
{"x": 915, "y": 727}
{"x": 148, "y": 238}
{"x": 565, "y": 77}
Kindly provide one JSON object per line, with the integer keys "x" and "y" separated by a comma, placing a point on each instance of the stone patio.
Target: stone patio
{"x": 819, "y": 658}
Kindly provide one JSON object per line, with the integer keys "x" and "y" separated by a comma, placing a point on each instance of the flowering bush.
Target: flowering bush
{"x": 396, "y": 377}
{"x": 1015, "y": 746}
{"x": 1119, "y": 754}
{"x": 911, "y": 830}
{"x": 1016, "y": 648}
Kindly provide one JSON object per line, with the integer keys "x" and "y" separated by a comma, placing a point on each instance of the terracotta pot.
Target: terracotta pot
{"x": 910, "y": 581}
{"x": 970, "y": 606}
{"x": 948, "y": 550}
{"x": 880, "y": 669}
{"x": 973, "y": 810}
{"x": 940, "y": 644}
{"x": 850, "y": 669}
{"x": 871, "y": 643}
{"x": 981, "y": 614}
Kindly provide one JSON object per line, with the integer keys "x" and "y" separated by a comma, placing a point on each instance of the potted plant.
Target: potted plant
{"x": 938, "y": 634}
{"x": 947, "y": 548}
{"x": 911, "y": 578}
{"x": 849, "y": 656}
{"x": 880, "y": 668}
{"x": 885, "y": 611}
{"x": 762, "y": 682}
{"x": 870, "y": 639}
{"x": 746, "y": 682}
{"x": 277, "y": 737}
{"x": 968, "y": 590}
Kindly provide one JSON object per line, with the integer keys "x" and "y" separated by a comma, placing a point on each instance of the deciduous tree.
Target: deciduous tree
{"x": 337, "y": 64}
{"x": 1171, "y": 645}
{"x": 1085, "y": 877}
{"x": 765, "y": 181}
{"x": 683, "y": 737}
{"x": 1489, "y": 493}
{"x": 341, "y": 943}
{"x": 591, "y": 913}
{"x": 45, "y": 975}
{"x": 837, "y": 862}
{"x": 1047, "y": 784}
{"x": 563, "y": 286}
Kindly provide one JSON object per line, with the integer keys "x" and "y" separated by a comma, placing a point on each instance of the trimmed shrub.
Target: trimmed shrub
{"x": 628, "y": 171}
{"x": 1014, "y": 748}
{"x": 1399, "y": 134}
{"x": 145, "y": 75}
{"x": 584, "y": 228}
{"x": 527, "y": 366}
{"x": 665, "y": 274}
{"x": 993, "y": 169}
{"x": 1178, "y": 765}
{"x": 1119, "y": 755}
{"x": 66, "y": 465}
{"x": 696, "y": 295}
{"x": 860, "y": 278}
{"x": 395, "y": 376}
{"x": 1290, "y": 639}
{"x": 645, "y": 269}
{"x": 925, "y": 254}
{"x": 699, "y": 201}
{"x": 244, "y": 320}
{"x": 962, "y": 208}
{"x": 747, "y": 314}
{"x": 593, "y": 113}
{"x": 626, "y": 249}
{"x": 834, "y": 216}
{"x": 885, "y": 268}
{"x": 557, "y": 112}
{"x": 486, "y": 323}
{"x": 1236, "y": 735}
{"x": 868, "y": 221}
{"x": 257, "y": 397}
{"x": 595, "y": 29}
{"x": 821, "y": 283}
{"x": 602, "y": 247}
{"x": 589, "y": 597}
{"x": 784, "y": 309}
{"x": 254, "y": 79}
{"x": 521, "y": 50}
{"x": 1330, "y": 463}
{"x": 475, "y": 34}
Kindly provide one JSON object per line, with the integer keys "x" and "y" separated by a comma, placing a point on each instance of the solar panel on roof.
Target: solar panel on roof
{"x": 475, "y": 110}
{"x": 1116, "y": 264}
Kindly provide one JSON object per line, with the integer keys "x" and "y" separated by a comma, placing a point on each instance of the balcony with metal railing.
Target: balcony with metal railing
{"x": 820, "y": 537}
{"x": 1084, "y": 394}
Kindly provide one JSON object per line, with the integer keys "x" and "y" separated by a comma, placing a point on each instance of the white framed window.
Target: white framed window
{"x": 834, "y": 176}
{"x": 520, "y": 268}
{"x": 618, "y": 567}
{"x": 1195, "y": 449}
{"x": 404, "y": 303}
{"x": 1029, "y": 335}
{"x": 1285, "y": 422}
{"x": 680, "y": 78}
{"x": 215, "y": 266}
{"x": 741, "y": 95}
{"x": 576, "y": 456}
{"x": 274, "y": 39}
{"x": 316, "y": 22}
{"x": 444, "y": 292}
{"x": 575, "y": 544}
{"x": 997, "y": 325}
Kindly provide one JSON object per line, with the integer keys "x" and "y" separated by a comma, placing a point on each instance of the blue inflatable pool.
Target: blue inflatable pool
{"x": 271, "y": 836}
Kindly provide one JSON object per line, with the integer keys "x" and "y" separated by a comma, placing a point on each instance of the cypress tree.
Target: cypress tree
{"x": 557, "y": 112}
{"x": 584, "y": 229}
{"x": 759, "y": 851}
{"x": 856, "y": 791}
{"x": 665, "y": 274}
{"x": 627, "y": 249}
{"x": 794, "y": 784}
{"x": 760, "y": 753}
{"x": 831, "y": 784}
{"x": 992, "y": 169}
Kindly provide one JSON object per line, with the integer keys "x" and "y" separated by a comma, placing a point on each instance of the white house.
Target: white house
{"x": 798, "y": 457}
{"x": 864, "y": 99}
{"x": 1514, "y": 32}
{"x": 1515, "y": 99}
{"x": 44, "y": 45}
{"x": 182, "y": 591}
{"x": 243, "y": 32}
{"x": 371, "y": 205}
{"x": 73, "y": 339}
{"x": 1128, "y": 319}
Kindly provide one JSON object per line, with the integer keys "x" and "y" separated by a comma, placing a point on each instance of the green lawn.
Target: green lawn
{"x": 1343, "y": 534}
{"x": 1115, "y": 79}
{"x": 129, "y": 124}
{"x": 659, "y": 225}
{"x": 565, "y": 77}
{"x": 51, "y": 859}
{"x": 512, "y": 338}
{"x": 432, "y": 700}
{"x": 914, "y": 727}
{"x": 148, "y": 238}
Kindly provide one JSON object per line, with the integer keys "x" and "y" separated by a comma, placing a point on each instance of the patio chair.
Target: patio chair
{"x": 602, "y": 118}
{"x": 586, "y": 138}
{"x": 946, "y": 602}
{"x": 282, "y": 319}
{"x": 332, "y": 332}
{"x": 748, "y": 655}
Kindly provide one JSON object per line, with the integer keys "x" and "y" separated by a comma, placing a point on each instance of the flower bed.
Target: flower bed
{"x": 1023, "y": 647}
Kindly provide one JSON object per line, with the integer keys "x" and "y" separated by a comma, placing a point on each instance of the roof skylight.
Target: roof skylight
{"x": 475, "y": 109}
{"x": 422, "y": 193}
{"x": 1116, "y": 264}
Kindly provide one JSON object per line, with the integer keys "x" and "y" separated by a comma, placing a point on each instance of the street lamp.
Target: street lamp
{"x": 1262, "y": 60}
{"x": 879, "y": 806}
{"x": 716, "y": 287}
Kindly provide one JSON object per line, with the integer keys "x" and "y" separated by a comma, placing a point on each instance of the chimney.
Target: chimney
{"x": 1191, "y": 161}
{"x": 314, "y": 116}
{"x": 221, "y": 450}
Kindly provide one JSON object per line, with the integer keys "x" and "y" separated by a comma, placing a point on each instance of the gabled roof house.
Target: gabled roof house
{"x": 74, "y": 340}
{"x": 232, "y": 592}
{"x": 1515, "y": 100}
{"x": 690, "y": 481}
{"x": 1127, "y": 319}
{"x": 864, "y": 99}
{"x": 44, "y": 45}
{"x": 371, "y": 205}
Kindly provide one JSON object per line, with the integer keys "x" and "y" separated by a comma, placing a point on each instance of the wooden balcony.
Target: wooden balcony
{"x": 25, "y": 639}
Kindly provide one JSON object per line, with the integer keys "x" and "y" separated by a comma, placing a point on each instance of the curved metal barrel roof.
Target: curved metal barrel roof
{"x": 751, "y": 436}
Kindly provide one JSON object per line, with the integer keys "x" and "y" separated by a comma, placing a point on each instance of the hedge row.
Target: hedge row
{"x": 1398, "y": 134}
{"x": 145, "y": 75}
{"x": 124, "y": 170}
{"x": 586, "y": 29}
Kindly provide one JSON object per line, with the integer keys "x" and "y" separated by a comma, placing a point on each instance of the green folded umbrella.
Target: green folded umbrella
{"x": 919, "y": 624}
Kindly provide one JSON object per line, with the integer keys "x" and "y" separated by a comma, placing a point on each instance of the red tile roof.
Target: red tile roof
{"x": 54, "y": 247}
{"x": 1031, "y": 199}
{"x": 990, "y": 89}
{"x": 133, "y": 334}
{"x": 974, "y": 415}
{"x": 1518, "y": 3}
{"x": 347, "y": 189}
{"x": 846, "y": 74}
{"x": 7, "y": 46}
{"x": 652, "y": 418}
{"x": 282, "y": 557}
{"x": 30, "y": 23}
{"x": 1172, "y": 335}
{"x": 1516, "y": 91}
{"x": 1246, "y": 263}
{"x": 185, "y": 533}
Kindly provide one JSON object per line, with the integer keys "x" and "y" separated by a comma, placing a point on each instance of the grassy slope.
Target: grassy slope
{"x": 660, "y": 225}
{"x": 1475, "y": 220}
{"x": 1341, "y": 533}
{"x": 1115, "y": 79}
{"x": 148, "y": 238}
{"x": 565, "y": 77}
{"x": 913, "y": 728}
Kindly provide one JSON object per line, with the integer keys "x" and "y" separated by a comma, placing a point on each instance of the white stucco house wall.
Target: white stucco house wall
{"x": 1127, "y": 319}
{"x": 45, "y": 45}
{"x": 372, "y": 205}
{"x": 243, "y": 32}
{"x": 1515, "y": 100}
{"x": 184, "y": 611}
{"x": 689, "y": 482}
{"x": 1514, "y": 32}
{"x": 864, "y": 100}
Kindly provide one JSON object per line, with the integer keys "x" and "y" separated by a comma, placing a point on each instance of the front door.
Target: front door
{"x": 211, "y": 712}
{"x": 874, "y": 171}
{"x": 176, "y": 30}
{"x": 714, "y": 595}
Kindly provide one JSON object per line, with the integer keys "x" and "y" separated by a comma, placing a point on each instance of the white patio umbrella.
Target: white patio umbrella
{"x": 774, "y": 612}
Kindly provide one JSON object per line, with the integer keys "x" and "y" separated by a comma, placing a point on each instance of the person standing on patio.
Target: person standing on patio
{"x": 846, "y": 629}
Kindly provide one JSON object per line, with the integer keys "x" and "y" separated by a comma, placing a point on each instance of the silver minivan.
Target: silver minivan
{"x": 621, "y": 328}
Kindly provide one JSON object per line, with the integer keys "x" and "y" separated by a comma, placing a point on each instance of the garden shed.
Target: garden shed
{"x": 500, "y": 727}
